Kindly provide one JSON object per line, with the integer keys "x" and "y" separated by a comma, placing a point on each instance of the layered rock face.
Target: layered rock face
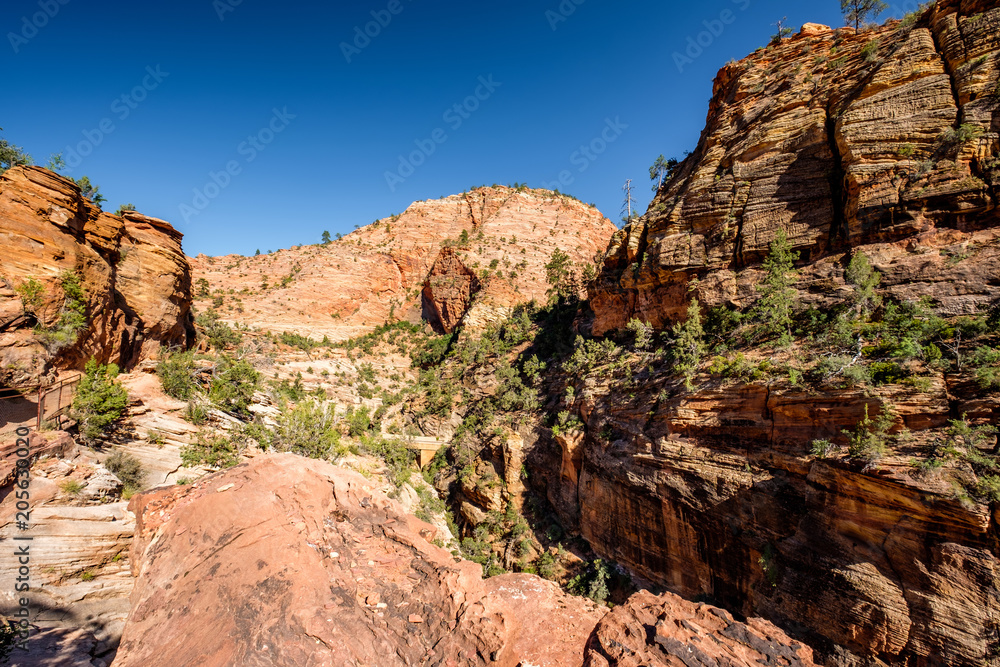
{"x": 290, "y": 561}
{"x": 133, "y": 273}
{"x": 439, "y": 259}
{"x": 714, "y": 494}
{"x": 886, "y": 140}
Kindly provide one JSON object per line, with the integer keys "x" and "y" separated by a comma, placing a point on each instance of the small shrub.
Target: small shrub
{"x": 308, "y": 430}
{"x": 127, "y": 468}
{"x": 213, "y": 450}
{"x": 870, "y": 51}
{"x": 233, "y": 386}
{"x": 821, "y": 448}
{"x": 32, "y": 293}
{"x": 176, "y": 375}
{"x": 868, "y": 442}
{"x": 196, "y": 413}
{"x": 963, "y": 134}
{"x": 87, "y": 576}
{"x": 72, "y": 486}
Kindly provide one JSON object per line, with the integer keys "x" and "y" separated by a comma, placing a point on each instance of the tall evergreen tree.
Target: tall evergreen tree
{"x": 689, "y": 344}
{"x": 777, "y": 300}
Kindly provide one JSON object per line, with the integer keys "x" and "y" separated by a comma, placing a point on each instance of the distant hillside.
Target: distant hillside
{"x": 485, "y": 248}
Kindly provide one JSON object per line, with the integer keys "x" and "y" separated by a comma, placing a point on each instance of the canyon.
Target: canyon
{"x": 816, "y": 495}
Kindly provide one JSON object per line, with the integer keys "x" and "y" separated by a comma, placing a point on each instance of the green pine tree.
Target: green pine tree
{"x": 100, "y": 400}
{"x": 689, "y": 344}
{"x": 777, "y": 300}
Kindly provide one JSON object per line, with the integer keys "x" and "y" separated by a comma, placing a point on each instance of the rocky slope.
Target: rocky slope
{"x": 479, "y": 253}
{"x": 134, "y": 276}
{"x": 886, "y": 140}
{"x": 313, "y": 565}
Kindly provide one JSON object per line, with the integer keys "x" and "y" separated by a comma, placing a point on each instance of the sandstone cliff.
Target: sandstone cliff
{"x": 134, "y": 276}
{"x": 481, "y": 252}
{"x": 886, "y": 139}
{"x": 885, "y": 142}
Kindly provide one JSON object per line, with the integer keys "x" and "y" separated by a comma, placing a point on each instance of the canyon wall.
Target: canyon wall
{"x": 887, "y": 142}
{"x": 886, "y": 139}
{"x": 134, "y": 275}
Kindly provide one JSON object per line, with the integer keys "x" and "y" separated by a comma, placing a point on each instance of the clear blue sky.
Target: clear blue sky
{"x": 198, "y": 87}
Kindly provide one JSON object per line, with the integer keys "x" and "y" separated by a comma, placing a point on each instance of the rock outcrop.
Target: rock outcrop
{"x": 886, "y": 140}
{"x": 439, "y": 259}
{"x": 134, "y": 276}
{"x": 448, "y": 291}
{"x": 667, "y": 631}
{"x": 290, "y": 561}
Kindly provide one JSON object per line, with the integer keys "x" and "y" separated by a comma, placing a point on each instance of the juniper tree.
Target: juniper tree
{"x": 774, "y": 308}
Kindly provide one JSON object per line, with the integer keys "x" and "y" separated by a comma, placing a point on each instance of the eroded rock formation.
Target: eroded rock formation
{"x": 133, "y": 273}
{"x": 886, "y": 139}
{"x": 397, "y": 267}
{"x": 448, "y": 291}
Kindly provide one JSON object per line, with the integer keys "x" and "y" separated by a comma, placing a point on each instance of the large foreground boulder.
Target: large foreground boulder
{"x": 287, "y": 561}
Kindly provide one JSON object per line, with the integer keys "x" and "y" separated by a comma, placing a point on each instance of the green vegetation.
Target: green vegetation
{"x": 90, "y": 191}
{"x": 689, "y": 347}
{"x": 216, "y": 451}
{"x": 308, "y": 429}
{"x": 176, "y": 373}
{"x": 868, "y": 442}
{"x": 123, "y": 208}
{"x": 203, "y": 289}
{"x": 72, "y": 486}
{"x": 12, "y": 156}
{"x": 869, "y": 52}
{"x": 962, "y": 134}
{"x": 32, "y": 293}
{"x": 233, "y": 386}
{"x": 777, "y": 295}
{"x": 561, "y": 276}
{"x": 100, "y": 400}
{"x": 662, "y": 170}
{"x": 220, "y": 335}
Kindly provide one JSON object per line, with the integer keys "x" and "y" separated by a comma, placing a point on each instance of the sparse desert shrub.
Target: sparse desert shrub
{"x": 72, "y": 486}
{"x": 308, "y": 429}
{"x": 128, "y": 469}
{"x": 212, "y": 450}
{"x": 233, "y": 386}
